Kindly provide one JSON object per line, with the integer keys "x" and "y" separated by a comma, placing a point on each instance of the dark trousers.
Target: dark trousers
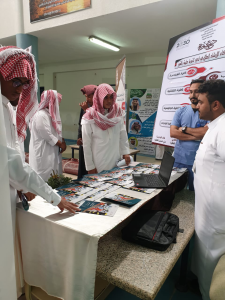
{"x": 190, "y": 174}
{"x": 82, "y": 169}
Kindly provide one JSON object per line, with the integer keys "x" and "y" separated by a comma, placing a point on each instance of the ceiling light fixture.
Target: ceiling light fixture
{"x": 103, "y": 43}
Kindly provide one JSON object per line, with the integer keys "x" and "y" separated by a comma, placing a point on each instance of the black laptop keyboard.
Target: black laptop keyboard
{"x": 153, "y": 179}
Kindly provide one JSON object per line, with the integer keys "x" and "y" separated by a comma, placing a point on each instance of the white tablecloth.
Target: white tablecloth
{"x": 59, "y": 250}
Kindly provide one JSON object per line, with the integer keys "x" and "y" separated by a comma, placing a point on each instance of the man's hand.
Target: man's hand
{"x": 61, "y": 145}
{"x": 72, "y": 207}
{"x": 30, "y": 196}
{"x": 94, "y": 171}
{"x": 79, "y": 142}
{"x": 84, "y": 105}
{"x": 127, "y": 158}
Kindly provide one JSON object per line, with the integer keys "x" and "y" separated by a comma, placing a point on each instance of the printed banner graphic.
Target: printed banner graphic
{"x": 199, "y": 53}
{"x": 142, "y": 112}
{"x": 44, "y": 9}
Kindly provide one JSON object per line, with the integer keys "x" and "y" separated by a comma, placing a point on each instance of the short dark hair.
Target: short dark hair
{"x": 215, "y": 90}
{"x": 197, "y": 81}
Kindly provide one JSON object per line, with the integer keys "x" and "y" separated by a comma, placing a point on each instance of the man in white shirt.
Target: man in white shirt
{"x": 209, "y": 183}
{"x": 46, "y": 143}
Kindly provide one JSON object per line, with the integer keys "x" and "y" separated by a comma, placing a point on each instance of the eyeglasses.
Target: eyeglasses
{"x": 17, "y": 83}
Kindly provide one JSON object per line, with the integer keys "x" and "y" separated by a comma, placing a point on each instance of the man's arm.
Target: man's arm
{"x": 22, "y": 176}
{"x": 197, "y": 132}
{"x": 176, "y": 133}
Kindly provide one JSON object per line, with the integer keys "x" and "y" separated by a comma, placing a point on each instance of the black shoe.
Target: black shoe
{"x": 193, "y": 286}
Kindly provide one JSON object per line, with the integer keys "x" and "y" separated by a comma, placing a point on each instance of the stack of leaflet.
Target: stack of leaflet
{"x": 85, "y": 192}
{"x": 98, "y": 208}
{"x": 122, "y": 177}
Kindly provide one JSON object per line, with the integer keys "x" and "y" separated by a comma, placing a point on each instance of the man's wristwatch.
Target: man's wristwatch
{"x": 184, "y": 129}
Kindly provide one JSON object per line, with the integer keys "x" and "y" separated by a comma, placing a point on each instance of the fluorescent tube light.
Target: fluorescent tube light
{"x": 103, "y": 43}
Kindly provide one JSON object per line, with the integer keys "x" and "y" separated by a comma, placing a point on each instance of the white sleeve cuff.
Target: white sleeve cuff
{"x": 55, "y": 199}
{"x": 53, "y": 141}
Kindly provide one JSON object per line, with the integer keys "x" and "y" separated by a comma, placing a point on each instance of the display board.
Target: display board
{"x": 142, "y": 112}
{"x": 44, "y": 9}
{"x": 198, "y": 53}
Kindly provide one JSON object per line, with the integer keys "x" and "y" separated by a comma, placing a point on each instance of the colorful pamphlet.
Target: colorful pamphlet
{"x": 73, "y": 198}
{"x": 74, "y": 188}
{"x": 89, "y": 182}
{"x": 120, "y": 181}
{"x": 99, "y": 208}
{"x": 142, "y": 190}
{"x": 122, "y": 199}
{"x": 148, "y": 171}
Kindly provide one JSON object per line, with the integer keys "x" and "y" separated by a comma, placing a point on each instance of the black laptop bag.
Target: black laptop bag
{"x": 155, "y": 230}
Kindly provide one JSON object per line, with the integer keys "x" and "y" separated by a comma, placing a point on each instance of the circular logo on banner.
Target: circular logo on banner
{"x": 214, "y": 75}
{"x": 186, "y": 89}
{"x": 192, "y": 71}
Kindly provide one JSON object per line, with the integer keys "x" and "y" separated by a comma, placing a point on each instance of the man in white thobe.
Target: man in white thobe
{"x": 46, "y": 143}
{"x": 103, "y": 132}
{"x": 18, "y": 82}
{"x": 209, "y": 183}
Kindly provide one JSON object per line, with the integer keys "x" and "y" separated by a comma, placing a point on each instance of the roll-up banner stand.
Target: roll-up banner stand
{"x": 121, "y": 82}
{"x": 198, "y": 53}
{"x": 142, "y": 112}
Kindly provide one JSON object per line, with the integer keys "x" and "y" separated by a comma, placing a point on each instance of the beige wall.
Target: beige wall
{"x": 144, "y": 70}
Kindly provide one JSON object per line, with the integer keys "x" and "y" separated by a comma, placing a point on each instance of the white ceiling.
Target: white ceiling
{"x": 142, "y": 29}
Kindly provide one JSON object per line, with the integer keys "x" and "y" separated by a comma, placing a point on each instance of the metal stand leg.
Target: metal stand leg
{"x": 72, "y": 153}
{"x": 135, "y": 156}
{"x": 181, "y": 285}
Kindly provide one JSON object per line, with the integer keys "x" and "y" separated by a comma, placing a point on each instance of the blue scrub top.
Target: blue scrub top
{"x": 185, "y": 151}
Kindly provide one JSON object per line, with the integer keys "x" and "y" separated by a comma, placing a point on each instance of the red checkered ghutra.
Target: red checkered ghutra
{"x": 97, "y": 111}
{"x": 51, "y": 99}
{"x": 14, "y": 63}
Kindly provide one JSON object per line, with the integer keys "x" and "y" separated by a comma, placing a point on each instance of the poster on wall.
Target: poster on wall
{"x": 121, "y": 83}
{"x": 44, "y": 9}
{"x": 142, "y": 112}
{"x": 198, "y": 53}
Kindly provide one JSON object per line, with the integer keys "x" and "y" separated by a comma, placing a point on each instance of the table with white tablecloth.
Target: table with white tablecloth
{"x": 59, "y": 250}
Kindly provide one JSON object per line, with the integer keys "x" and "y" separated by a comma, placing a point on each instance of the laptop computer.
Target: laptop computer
{"x": 156, "y": 181}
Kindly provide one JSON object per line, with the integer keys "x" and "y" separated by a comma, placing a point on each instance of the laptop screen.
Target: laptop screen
{"x": 166, "y": 167}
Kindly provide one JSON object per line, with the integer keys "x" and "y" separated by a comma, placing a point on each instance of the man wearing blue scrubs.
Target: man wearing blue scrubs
{"x": 188, "y": 129}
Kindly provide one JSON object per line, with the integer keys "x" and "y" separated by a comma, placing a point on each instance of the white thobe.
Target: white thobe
{"x": 103, "y": 148}
{"x": 44, "y": 155}
{"x": 21, "y": 177}
{"x": 209, "y": 182}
